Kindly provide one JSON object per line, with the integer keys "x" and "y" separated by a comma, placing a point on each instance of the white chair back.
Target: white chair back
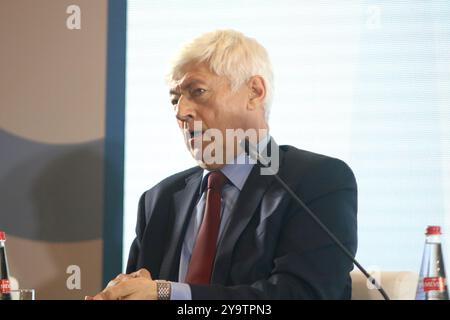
{"x": 399, "y": 285}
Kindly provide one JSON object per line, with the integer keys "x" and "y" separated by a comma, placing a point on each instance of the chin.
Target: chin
{"x": 208, "y": 164}
{"x": 204, "y": 163}
{"x": 210, "y": 167}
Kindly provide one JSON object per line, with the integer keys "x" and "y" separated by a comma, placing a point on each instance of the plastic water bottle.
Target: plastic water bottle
{"x": 432, "y": 281}
{"x": 5, "y": 289}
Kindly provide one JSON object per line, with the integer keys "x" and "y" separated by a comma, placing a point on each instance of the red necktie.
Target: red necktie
{"x": 202, "y": 259}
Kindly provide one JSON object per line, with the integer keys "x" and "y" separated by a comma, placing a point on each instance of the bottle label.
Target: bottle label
{"x": 4, "y": 286}
{"x": 433, "y": 284}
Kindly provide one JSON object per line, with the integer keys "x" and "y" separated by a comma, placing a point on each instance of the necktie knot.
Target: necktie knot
{"x": 216, "y": 180}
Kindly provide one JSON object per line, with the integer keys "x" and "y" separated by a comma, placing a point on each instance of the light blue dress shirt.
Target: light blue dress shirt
{"x": 237, "y": 174}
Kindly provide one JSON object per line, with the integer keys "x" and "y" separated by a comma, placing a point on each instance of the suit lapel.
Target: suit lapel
{"x": 183, "y": 204}
{"x": 246, "y": 205}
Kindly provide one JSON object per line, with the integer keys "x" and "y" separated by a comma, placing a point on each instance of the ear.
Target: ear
{"x": 257, "y": 92}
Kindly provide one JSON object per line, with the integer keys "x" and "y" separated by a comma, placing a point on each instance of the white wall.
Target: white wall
{"x": 367, "y": 83}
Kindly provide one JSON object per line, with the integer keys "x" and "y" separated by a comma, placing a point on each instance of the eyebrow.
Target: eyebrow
{"x": 186, "y": 84}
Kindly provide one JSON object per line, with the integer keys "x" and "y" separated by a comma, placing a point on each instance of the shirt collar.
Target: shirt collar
{"x": 238, "y": 171}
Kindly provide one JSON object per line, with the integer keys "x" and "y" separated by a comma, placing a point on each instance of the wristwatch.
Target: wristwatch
{"x": 163, "y": 289}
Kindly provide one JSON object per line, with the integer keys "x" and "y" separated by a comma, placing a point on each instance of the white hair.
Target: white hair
{"x": 228, "y": 53}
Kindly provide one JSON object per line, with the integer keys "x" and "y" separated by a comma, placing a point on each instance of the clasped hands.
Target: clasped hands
{"x": 138, "y": 285}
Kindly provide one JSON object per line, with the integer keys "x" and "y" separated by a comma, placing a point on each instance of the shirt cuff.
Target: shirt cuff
{"x": 180, "y": 291}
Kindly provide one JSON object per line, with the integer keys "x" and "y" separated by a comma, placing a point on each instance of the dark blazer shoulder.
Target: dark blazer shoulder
{"x": 174, "y": 182}
{"x": 317, "y": 172}
{"x": 163, "y": 190}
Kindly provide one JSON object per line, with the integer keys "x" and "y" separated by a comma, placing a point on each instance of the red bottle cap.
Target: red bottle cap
{"x": 433, "y": 230}
{"x": 2, "y": 236}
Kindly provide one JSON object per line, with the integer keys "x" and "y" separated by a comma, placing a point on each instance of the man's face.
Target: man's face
{"x": 204, "y": 96}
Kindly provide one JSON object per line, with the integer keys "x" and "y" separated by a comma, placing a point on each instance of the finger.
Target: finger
{"x": 112, "y": 283}
{"x": 118, "y": 279}
{"x": 88, "y": 298}
{"x": 121, "y": 289}
{"x": 145, "y": 290}
{"x": 133, "y": 296}
{"x": 98, "y": 296}
{"x": 122, "y": 276}
{"x": 143, "y": 273}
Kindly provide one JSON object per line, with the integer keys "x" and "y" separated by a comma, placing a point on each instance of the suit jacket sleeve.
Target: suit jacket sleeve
{"x": 136, "y": 245}
{"x": 307, "y": 263}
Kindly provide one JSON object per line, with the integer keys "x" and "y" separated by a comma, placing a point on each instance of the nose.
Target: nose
{"x": 184, "y": 110}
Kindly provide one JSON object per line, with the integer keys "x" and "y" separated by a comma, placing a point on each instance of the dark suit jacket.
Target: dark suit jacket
{"x": 271, "y": 248}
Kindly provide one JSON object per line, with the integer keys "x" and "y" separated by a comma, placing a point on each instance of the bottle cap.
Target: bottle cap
{"x": 433, "y": 230}
{"x": 2, "y": 236}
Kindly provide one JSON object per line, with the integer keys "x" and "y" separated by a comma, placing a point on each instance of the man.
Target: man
{"x": 224, "y": 230}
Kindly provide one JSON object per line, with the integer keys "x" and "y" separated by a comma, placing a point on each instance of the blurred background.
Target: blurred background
{"x": 86, "y": 124}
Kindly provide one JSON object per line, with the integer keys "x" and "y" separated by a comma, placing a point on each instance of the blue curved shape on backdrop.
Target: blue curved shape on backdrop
{"x": 51, "y": 192}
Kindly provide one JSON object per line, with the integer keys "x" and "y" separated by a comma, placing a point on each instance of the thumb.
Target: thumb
{"x": 144, "y": 273}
